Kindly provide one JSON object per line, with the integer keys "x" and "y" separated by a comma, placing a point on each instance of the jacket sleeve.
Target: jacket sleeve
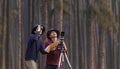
{"x": 42, "y": 48}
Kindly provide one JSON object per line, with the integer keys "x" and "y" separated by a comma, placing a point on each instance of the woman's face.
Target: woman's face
{"x": 53, "y": 34}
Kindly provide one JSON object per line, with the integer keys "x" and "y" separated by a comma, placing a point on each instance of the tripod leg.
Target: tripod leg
{"x": 61, "y": 54}
{"x": 68, "y": 60}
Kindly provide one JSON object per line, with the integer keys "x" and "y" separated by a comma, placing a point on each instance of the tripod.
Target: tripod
{"x": 62, "y": 54}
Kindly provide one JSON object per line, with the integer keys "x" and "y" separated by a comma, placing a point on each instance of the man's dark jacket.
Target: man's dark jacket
{"x": 34, "y": 45}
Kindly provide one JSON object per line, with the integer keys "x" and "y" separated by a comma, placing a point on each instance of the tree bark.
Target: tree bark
{"x": 44, "y": 13}
{"x": 58, "y": 14}
{"x": 90, "y": 37}
{"x": 20, "y": 32}
{"x": 4, "y": 21}
{"x": 90, "y": 44}
{"x": 31, "y": 14}
{"x": 101, "y": 50}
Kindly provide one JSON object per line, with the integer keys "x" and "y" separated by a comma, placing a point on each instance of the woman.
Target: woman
{"x": 52, "y": 59}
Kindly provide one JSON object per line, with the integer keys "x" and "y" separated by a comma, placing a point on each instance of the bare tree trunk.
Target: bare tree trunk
{"x": 90, "y": 44}
{"x": 9, "y": 40}
{"x": 118, "y": 57}
{"x": 31, "y": 14}
{"x": 50, "y": 10}
{"x": 118, "y": 51}
{"x": 52, "y": 17}
{"x": 101, "y": 50}
{"x": 4, "y": 21}
{"x": 20, "y": 33}
{"x": 115, "y": 52}
{"x": 90, "y": 37}
{"x": 58, "y": 14}
{"x": 44, "y": 13}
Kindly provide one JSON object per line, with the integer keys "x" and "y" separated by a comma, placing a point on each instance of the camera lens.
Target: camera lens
{"x": 62, "y": 33}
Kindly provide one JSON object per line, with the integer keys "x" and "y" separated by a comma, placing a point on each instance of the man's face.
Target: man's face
{"x": 53, "y": 34}
{"x": 39, "y": 29}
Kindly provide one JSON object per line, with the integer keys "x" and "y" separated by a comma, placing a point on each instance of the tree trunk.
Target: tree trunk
{"x": 90, "y": 37}
{"x": 118, "y": 57}
{"x": 31, "y": 14}
{"x": 44, "y": 13}
{"x": 58, "y": 14}
{"x": 101, "y": 50}
{"x": 19, "y": 31}
{"x": 90, "y": 44}
{"x": 4, "y": 21}
{"x": 50, "y": 10}
{"x": 8, "y": 46}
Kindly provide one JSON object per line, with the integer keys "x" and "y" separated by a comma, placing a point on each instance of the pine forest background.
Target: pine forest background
{"x": 92, "y": 31}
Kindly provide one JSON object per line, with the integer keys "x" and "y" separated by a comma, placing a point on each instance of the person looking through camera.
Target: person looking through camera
{"x": 52, "y": 59}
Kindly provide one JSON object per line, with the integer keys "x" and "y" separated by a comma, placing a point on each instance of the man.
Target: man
{"x": 52, "y": 59}
{"x": 34, "y": 45}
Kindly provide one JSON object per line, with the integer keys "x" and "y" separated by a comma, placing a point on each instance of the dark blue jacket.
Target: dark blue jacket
{"x": 34, "y": 45}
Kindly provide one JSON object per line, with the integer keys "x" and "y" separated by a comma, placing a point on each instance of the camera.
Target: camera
{"x": 62, "y": 37}
{"x": 62, "y": 34}
{"x": 61, "y": 40}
